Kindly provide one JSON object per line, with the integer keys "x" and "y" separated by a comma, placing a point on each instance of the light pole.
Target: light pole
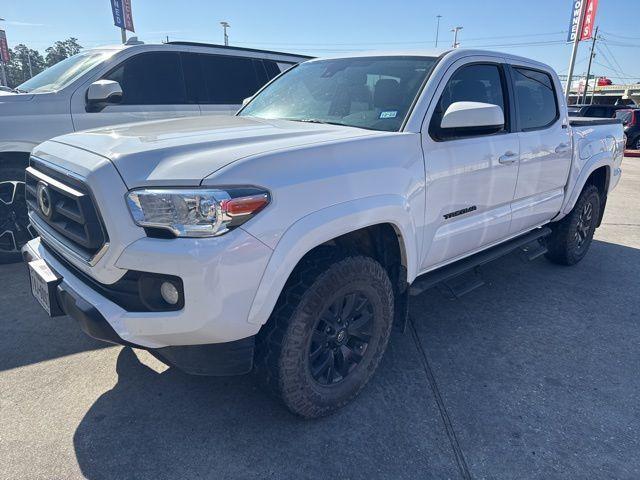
{"x": 455, "y": 31}
{"x": 2, "y": 70}
{"x": 225, "y": 25}
{"x": 437, "y": 28}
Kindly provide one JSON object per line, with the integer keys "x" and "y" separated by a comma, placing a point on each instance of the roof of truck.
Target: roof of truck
{"x": 229, "y": 48}
{"x": 452, "y": 53}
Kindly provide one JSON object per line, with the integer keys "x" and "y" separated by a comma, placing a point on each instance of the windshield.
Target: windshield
{"x": 367, "y": 92}
{"x": 63, "y": 73}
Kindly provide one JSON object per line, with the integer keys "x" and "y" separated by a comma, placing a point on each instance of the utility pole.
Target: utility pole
{"x": 574, "y": 50}
{"x": 123, "y": 33}
{"x": 225, "y": 25}
{"x": 593, "y": 54}
{"x": 455, "y": 31}
{"x": 437, "y": 28}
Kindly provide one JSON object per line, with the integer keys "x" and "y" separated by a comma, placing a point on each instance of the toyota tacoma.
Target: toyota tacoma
{"x": 288, "y": 238}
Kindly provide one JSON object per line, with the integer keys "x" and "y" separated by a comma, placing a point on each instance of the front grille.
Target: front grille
{"x": 65, "y": 205}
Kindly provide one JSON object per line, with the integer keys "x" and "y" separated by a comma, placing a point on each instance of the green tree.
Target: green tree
{"x": 61, "y": 50}
{"x": 13, "y": 71}
{"x": 29, "y": 62}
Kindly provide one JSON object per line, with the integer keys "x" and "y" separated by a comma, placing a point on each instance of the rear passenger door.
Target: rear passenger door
{"x": 545, "y": 147}
{"x": 226, "y": 81}
{"x": 470, "y": 175}
{"x": 153, "y": 88}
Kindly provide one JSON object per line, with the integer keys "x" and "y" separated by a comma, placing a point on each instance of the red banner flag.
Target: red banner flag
{"x": 4, "y": 48}
{"x": 589, "y": 20}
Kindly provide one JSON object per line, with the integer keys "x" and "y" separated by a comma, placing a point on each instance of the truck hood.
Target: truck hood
{"x": 182, "y": 152}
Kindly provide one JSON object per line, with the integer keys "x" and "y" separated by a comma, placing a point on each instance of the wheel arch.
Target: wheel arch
{"x": 381, "y": 227}
{"x": 596, "y": 172}
{"x": 14, "y": 159}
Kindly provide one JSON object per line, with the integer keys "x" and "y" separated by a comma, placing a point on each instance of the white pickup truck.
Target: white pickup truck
{"x": 288, "y": 238}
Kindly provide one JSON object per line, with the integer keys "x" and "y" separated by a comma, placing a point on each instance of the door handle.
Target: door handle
{"x": 563, "y": 148}
{"x": 508, "y": 158}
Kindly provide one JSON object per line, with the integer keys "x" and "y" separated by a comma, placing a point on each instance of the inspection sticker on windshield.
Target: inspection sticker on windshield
{"x": 389, "y": 114}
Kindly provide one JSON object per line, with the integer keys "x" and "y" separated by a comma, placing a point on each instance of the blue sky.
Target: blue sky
{"x": 525, "y": 27}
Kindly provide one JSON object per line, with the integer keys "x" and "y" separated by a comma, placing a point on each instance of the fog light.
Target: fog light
{"x": 169, "y": 293}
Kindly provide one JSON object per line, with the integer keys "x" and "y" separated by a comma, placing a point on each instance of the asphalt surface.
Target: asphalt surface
{"x": 534, "y": 375}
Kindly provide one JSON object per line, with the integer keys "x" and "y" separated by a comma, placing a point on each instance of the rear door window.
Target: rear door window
{"x": 272, "y": 68}
{"x": 536, "y": 100}
{"x": 153, "y": 78}
{"x": 229, "y": 80}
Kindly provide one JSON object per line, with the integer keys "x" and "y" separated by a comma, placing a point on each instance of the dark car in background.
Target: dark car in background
{"x": 631, "y": 121}
{"x": 598, "y": 111}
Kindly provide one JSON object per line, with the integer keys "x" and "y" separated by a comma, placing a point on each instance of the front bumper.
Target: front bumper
{"x": 220, "y": 277}
{"x": 218, "y": 359}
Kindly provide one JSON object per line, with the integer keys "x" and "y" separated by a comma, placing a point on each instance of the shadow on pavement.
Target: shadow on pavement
{"x": 171, "y": 425}
{"x": 539, "y": 368}
{"x": 27, "y": 334}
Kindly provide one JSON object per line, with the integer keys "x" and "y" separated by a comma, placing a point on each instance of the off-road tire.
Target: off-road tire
{"x": 562, "y": 245}
{"x": 282, "y": 349}
{"x": 10, "y": 215}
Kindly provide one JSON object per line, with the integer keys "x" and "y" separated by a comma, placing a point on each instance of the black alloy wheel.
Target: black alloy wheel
{"x": 340, "y": 338}
{"x": 15, "y": 230}
{"x": 583, "y": 226}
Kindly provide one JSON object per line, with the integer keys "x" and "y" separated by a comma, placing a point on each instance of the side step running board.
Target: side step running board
{"x": 449, "y": 272}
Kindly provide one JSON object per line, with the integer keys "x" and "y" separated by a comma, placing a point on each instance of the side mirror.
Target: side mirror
{"x": 247, "y": 100}
{"x": 473, "y": 115}
{"x": 103, "y": 92}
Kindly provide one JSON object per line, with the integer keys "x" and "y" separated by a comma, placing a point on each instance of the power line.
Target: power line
{"x": 415, "y": 42}
{"x": 613, "y": 58}
{"x": 606, "y": 59}
{"x": 620, "y": 36}
{"x": 621, "y": 44}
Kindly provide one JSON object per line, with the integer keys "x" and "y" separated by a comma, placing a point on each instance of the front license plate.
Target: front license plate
{"x": 43, "y": 284}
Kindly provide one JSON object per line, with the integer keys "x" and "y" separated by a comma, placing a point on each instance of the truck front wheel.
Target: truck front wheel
{"x": 14, "y": 222}
{"x": 571, "y": 237}
{"x": 327, "y": 333}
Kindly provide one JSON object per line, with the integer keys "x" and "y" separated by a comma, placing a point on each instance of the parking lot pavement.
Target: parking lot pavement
{"x": 533, "y": 375}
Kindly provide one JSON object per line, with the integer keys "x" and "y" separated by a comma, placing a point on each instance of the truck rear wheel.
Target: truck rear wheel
{"x": 571, "y": 237}
{"x": 14, "y": 222}
{"x": 328, "y": 332}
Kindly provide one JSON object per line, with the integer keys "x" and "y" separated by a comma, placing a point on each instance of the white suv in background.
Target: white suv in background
{"x": 113, "y": 85}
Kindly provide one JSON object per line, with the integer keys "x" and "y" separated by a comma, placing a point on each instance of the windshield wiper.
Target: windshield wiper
{"x": 19, "y": 90}
{"x": 316, "y": 120}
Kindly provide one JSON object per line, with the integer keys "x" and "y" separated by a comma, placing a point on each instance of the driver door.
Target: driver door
{"x": 470, "y": 174}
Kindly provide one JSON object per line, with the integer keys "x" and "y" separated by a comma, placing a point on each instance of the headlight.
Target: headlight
{"x": 195, "y": 212}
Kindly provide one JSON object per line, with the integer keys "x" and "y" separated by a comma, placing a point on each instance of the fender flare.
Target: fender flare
{"x": 597, "y": 161}
{"x": 324, "y": 225}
